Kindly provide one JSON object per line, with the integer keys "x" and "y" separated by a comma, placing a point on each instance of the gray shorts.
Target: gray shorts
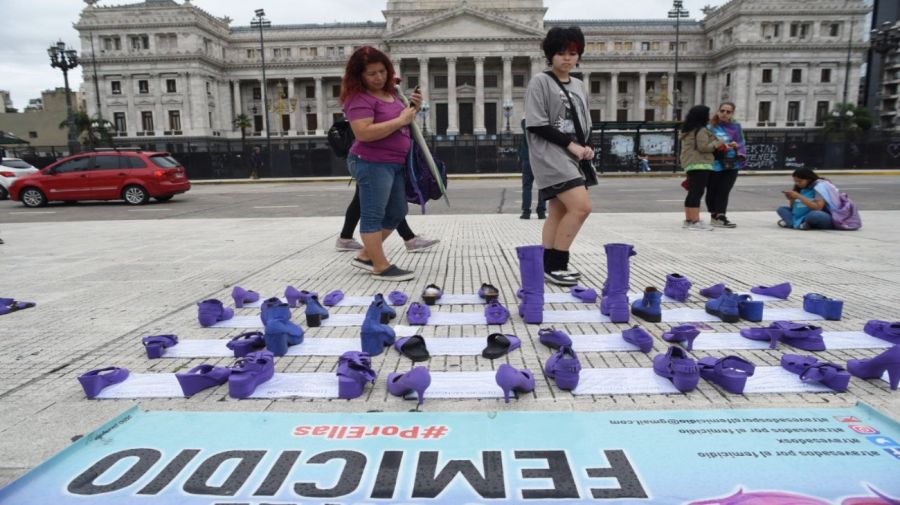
{"x": 550, "y": 192}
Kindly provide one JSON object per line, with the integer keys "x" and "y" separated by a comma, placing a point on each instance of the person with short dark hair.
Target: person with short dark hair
{"x": 697, "y": 146}
{"x": 256, "y": 162}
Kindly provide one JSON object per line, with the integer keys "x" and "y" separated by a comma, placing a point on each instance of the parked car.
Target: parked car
{"x": 131, "y": 175}
{"x": 10, "y": 170}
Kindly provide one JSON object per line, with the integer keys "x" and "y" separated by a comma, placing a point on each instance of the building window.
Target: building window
{"x": 793, "y": 111}
{"x": 796, "y": 75}
{"x": 167, "y": 41}
{"x": 771, "y": 30}
{"x": 595, "y": 87}
{"x": 112, "y": 43}
{"x": 764, "y": 113}
{"x": 728, "y": 35}
{"x": 728, "y": 79}
{"x": 116, "y": 87}
{"x": 313, "y": 52}
{"x": 147, "y": 120}
{"x": 595, "y": 116}
{"x": 412, "y": 81}
{"x": 518, "y": 80}
{"x": 119, "y": 121}
{"x": 490, "y": 81}
{"x": 767, "y": 75}
{"x": 799, "y": 30}
{"x": 250, "y": 54}
{"x": 821, "y": 112}
{"x": 645, "y": 46}
{"x": 286, "y": 52}
{"x": 623, "y": 46}
{"x": 623, "y": 86}
{"x": 140, "y": 42}
{"x": 175, "y": 120}
{"x": 208, "y": 88}
{"x": 710, "y": 44}
{"x": 825, "y": 75}
{"x": 285, "y": 122}
{"x": 834, "y": 29}
{"x": 143, "y": 87}
{"x": 276, "y": 52}
{"x": 257, "y": 93}
{"x": 682, "y": 46}
{"x": 465, "y": 80}
{"x": 170, "y": 86}
{"x": 32, "y": 135}
{"x": 336, "y": 90}
{"x": 650, "y": 86}
{"x": 440, "y": 82}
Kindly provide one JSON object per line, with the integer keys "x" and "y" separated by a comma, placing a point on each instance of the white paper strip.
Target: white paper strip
{"x": 298, "y": 385}
{"x": 774, "y": 379}
{"x": 144, "y": 385}
{"x": 622, "y": 381}
{"x": 601, "y": 343}
{"x": 790, "y": 314}
{"x": 462, "y": 385}
{"x": 456, "y": 318}
{"x": 715, "y": 341}
{"x": 458, "y": 299}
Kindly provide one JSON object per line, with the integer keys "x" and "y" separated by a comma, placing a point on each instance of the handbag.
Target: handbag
{"x": 586, "y": 167}
{"x": 340, "y": 138}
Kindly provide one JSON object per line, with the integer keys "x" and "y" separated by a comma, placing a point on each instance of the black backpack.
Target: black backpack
{"x": 340, "y": 138}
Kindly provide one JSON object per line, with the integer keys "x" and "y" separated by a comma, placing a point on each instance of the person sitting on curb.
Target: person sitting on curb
{"x": 808, "y": 203}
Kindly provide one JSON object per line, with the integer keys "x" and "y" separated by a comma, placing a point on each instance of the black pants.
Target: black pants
{"x": 351, "y": 219}
{"x": 527, "y": 184}
{"x": 717, "y": 191}
{"x": 697, "y": 182}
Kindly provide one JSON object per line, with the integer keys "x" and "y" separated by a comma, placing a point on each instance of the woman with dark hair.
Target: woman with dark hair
{"x": 725, "y": 167}
{"x": 697, "y": 147}
{"x": 809, "y": 203}
{"x": 559, "y": 125}
{"x": 380, "y": 124}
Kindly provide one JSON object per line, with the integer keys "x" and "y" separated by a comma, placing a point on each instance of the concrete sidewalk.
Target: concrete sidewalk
{"x": 100, "y": 286}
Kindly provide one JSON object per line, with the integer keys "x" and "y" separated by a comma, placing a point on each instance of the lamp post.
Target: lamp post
{"x": 423, "y": 113}
{"x": 261, "y": 22}
{"x": 507, "y": 112}
{"x": 65, "y": 60}
{"x": 677, "y": 13}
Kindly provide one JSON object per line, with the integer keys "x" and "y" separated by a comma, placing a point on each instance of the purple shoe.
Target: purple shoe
{"x": 375, "y": 335}
{"x": 782, "y": 290}
{"x": 354, "y": 370}
{"x": 242, "y": 296}
{"x": 563, "y": 367}
{"x": 677, "y": 366}
{"x": 293, "y": 296}
{"x": 280, "y": 331}
{"x": 750, "y": 309}
{"x": 499, "y": 344}
{"x": 494, "y": 313}
{"x": 685, "y": 333}
{"x": 431, "y": 294}
{"x": 488, "y": 292}
{"x": 8, "y": 305}
{"x": 639, "y": 337}
{"x": 801, "y": 336}
{"x": 730, "y": 372}
{"x": 249, "y": 372}
{"x": 246, "y": 342}
{"x": 418, "y": 379}
{"x": 94, "y": 381}
{"x": 157, "y": 343}
{"x": 418, "y": 313}
{"x": 874, "y": 368}
{"x": 812, "y": 370}
{"x": 677, "y": 287}
{"x": 713, "y": 291}
{"x": 397, "y": 298}
{"x": 315, "y": 312}
{"x": 333, "y": 298}
{"x": 210, "y": 312}
{"x": 884, "y": 330}
{"x": 828, "y": 308}
{"x": 413, "y": 348}
{"x": 510, "y": 379}
{"x": 587, "y": 295}
{"x": 387, "y": 313}
{"x": 202, "y": 377}
{"x": 554, "y": 338}
{"x": 769, "y": 334}
{"x": 267, "y": 306}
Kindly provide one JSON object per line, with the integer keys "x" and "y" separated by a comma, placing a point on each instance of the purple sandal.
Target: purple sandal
{"x": 249, "y": 372}
{"x": 884, "y": 330}
{"x": 730, "y": 372}
{"x": 678, "y": 367}
{"x": 333, "y": 298}
{"x": 246, "y": 342}
{"x": 418, "y": 313}
{"x": 684, "y": 333}
{"x": 94, "y": 381}
{"x": 812, "y": 370}
{"x": 494, "y": 313}
{"x": 801, "y": 336}
{"x": 8, "y": 305}
{"x": 156, "y": 343}
{"x": 354, "y": 370}
{"x": 397, "y": 298}
{"x": 587, "y": 295}
{"x": 202, "y": 377}
{"x": 242, "y": 296}
{"x": 554, "y": 338}
{"x": 499, "y": 344}
{"x": 639, "y": 337}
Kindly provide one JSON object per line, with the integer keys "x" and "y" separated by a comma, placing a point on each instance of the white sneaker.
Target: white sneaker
{"x": 420, "y": 244}
{"x": 699, "y": 226}
{"x": 685, "y": 224}
{"x": 347, "y": 244}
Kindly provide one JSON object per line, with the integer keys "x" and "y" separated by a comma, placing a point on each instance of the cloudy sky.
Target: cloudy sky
{"x": 30, "y": 26}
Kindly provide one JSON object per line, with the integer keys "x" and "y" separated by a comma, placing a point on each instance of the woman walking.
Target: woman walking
{"x": 697, "y": 146}
{"x": 380, "y": 124}
{"x": 726, "y": 166}
{"x": 556, "y": 115}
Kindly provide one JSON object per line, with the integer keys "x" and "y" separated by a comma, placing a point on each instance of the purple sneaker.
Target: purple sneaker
{"x": 418, "y": 379}
{"x": 94, "y": 381}
{"x": 210, "y": 312}
{"x": 554, "y": 338}
{"x": 782, "y": 290}
{"x": 249, "y": 372}
{"x": 246, "y": 342}
{"x": 242, "y": 296}
{"x": 495, "y": 313}
{"x": 418, "y": 313}
{"x": 563, "y": 367}
{"x": 677, "y": 366}
{"x": 202, "y": 377}
{"x": 730, "y": 372}
{"x": 156, "y": 344}
{"x": 333, "y": 298}
{"x": 639, "y": 337}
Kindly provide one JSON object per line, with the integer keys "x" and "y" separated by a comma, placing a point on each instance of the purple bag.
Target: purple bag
{"x": 844, "y": 214}
{"x": 421, "y": 185}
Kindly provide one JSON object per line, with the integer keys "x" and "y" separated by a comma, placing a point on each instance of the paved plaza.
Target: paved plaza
{"x": 102, "y": 285}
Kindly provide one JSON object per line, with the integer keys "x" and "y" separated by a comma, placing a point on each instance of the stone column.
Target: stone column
{"x": 642, "y": 96}
{"x": 160, "y": 118}
{"x": 132, "y": 118}
{"x": 479, "y": 128}
{"x": 452, "y": 107}
{"x": 750, "y": 99}
{"x": 670, "y": 108}
{"x": 507, "y": 78}
{"x": 238, "y": 98}
{"x": 612, "y": 96}
{"x": 423, "y": 78}
{"x": 187, "y": 122}
{"x": 698, "y": 89}
{"x": 809, "y": 110}
{"x": 320, "y": 107}
{"x": 775, "y": 111}
{"x": 292, "y": 95}
{"x": 538, "y": 63}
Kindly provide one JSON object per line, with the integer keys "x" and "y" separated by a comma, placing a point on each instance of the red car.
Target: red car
{"x": 131, "y": 175}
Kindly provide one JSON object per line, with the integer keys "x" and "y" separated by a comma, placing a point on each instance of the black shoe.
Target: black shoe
{"x": 721, "y": 221}
{"x": 525, "y": 215}
{"x": 560, "y": 278}
{"x": 542, "y": 215}
{"x": 393, "y": 273}
{"x": 366, "y": 265}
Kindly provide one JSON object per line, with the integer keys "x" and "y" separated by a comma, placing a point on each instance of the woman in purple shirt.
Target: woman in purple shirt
{"x": 378, "y": 156}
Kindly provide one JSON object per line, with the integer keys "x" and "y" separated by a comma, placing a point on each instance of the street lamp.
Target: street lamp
{"x": 65, "y": 60}
{"x": 423, "y": 113}
{"x": 261, "y": 22}
{"x": 507, "y": 112}
{"x": 677, "y": 13}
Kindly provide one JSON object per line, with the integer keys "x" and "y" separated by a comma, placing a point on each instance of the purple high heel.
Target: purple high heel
{"x": 494, "y": 313}
{"x": 874, "y": 368}
{"x": 678, "y": 367}
{"x": 713, "y": 291}
{"x": 315, "y": 312}
{"x": 397, "y": 298}
{"x": 639, "y": 337}
{"x": 677, "y": 287}
{"x": 563, "y": 367}
{"x": 553, "y": 338}
{"x": 249, "y": 372}
{"x": 510, "y": 379}
{"x": 488, "y": 292}
{"x": 94, "y": 381}
{"x": 242, "y": 296}
{"x": 730, "y": 372}
{"x": 210, "y": 312}
{"x": 333, "y": 298}
{"x": 812, "y": 370}
{"x": 296, "y": 296}
{"x": 202, "y": 377}
{"x": 801, "y": 336}
{"x": 884, "y": 330}
{"x": 587, "y": 295}
{"x": 418, "y": 313}
{"x": 418, "y": 379}
{"x": 280, "y": 331}
{"x": 354, "y": 370}
{"x": 431, "y": 294}
{"x": 782, "y": 290}
{"x": 156, "y": 344}
{"x": 246, "y": 342}
{"x": 684, "y": 333}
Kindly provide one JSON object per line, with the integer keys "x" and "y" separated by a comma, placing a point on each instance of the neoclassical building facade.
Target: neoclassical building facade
{"x": 167, "y": 69}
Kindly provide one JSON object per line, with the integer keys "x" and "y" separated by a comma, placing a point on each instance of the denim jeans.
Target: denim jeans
{"x": 645, "y": 165}
{"x": 816, "y": 219}
{"x": 527, "y": 184}
{"x": 382, "y": 193}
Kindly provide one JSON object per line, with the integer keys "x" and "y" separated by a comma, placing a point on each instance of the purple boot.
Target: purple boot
{"x": 614, "y": 301}
{"x": 495, "y": 313}
{"x": 374, "y": 335}
{"x": 677, "y": 287}
{"x": 782, "y": 290}
{"x": 531, "y": 270}
{"x": 210, "y": 312}
{"x": 418, "y": 379}
{"x": 202, "y": 377}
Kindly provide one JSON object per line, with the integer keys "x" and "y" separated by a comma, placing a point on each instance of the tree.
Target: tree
{"x": 847, "y": 121}
{"x": 91, "y": 132}
{"x": 242, "y": 121}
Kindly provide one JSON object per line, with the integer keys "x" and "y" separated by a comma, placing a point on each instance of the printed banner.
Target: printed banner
{"x": 762, "y": 456}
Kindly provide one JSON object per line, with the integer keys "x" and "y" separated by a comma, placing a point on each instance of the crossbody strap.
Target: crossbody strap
{"x": 579, "y": 132}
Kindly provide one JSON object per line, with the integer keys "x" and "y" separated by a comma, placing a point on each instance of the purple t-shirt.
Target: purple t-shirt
{"x": 391, "y": 149}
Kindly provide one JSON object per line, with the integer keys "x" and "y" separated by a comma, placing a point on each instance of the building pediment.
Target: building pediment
{"x": 465, "y": 23}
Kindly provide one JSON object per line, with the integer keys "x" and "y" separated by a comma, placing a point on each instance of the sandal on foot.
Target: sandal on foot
{"x": 202, "y": 377}
{"x": 94, "y": 381}
{"x": 156, "y": 343}
{"x": 246, "y": 342}
{"x": 488, "y": 292}
{"x": 431, "y": 294}
{"x": 730, "y": 372}
{"x": 499, "y": 344}
{"x": 333, "y": 298}
{"x": 413, "y": 348}
{"x": 587, "y": 295}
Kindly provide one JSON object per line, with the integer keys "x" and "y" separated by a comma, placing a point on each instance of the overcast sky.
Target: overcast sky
{"x": 30, "y": 26}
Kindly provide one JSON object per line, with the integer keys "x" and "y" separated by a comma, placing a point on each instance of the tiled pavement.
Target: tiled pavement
{"x": 100, "y": 286}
